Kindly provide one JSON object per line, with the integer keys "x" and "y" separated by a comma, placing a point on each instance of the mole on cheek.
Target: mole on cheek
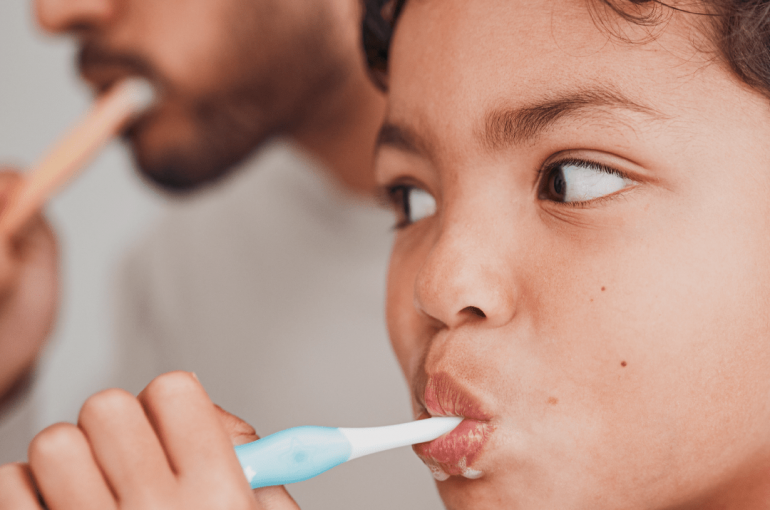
{"x": 623, "y": 363}
{"x": 553, "y": 401}
{"x": 603, "y": 289}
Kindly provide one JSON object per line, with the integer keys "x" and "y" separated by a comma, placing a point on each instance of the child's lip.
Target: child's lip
{"x": 456, "y": 452}
{"x": 443, "y": 396}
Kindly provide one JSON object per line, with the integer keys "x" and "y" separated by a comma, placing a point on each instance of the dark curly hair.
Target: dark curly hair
{"x": 738, "y": 29}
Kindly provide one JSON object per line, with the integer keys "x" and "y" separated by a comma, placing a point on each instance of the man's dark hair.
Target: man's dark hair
{"x": 738, "y": 29}
{"x": 379, "y": 22}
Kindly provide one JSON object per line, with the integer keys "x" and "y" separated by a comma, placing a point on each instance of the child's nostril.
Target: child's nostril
{"x": 475, "y": 311}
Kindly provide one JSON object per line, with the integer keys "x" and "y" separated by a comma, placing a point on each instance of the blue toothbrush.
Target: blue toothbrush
{"x": 300, "y": 453}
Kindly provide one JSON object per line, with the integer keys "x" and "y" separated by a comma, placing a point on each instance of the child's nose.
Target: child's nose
{"x": 57, "y": 16}
{"x": 464, "y": 280}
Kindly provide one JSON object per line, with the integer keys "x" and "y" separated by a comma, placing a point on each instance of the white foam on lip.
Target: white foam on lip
{"x": 438, "y": 473}
{"x": 472, "y": 474}
{"x": 441, "y": 475}
{"x": 469, "y": 473}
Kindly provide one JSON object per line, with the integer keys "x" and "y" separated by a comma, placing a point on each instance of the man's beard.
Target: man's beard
{"x": 225, "y": 131}
{"x": 256, "y": 102}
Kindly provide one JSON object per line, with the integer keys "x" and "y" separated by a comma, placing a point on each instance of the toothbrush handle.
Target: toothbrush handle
{"x": 292, "y": 455}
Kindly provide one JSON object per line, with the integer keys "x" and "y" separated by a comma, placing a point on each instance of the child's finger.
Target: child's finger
{"x": 278, "y": 498}
{"x": 17, "y": 491}
{"x": 238, "y": 430}
{"x": 241, "y": 432}
{"x": 126, "y": 448}
{"x": 65, "y": 470}
{"x": 182, "y": 414}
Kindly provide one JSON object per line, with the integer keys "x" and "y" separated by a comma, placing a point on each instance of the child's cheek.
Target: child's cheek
{"x": 408, "y": 328}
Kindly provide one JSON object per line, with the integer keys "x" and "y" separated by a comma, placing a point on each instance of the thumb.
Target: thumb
{"x": 240, "y": 432}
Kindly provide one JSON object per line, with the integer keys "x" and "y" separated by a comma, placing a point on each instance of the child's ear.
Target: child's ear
{"x": 239, "y": 431}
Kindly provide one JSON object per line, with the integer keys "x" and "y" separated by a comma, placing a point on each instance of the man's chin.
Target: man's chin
{"x": 174, "y": 169}
{"x": 169, "y": 180}
{"x": 176, "y": 175}
{"x": 179, "y": 151}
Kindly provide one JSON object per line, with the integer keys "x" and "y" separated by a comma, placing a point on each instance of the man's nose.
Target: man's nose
{"x": 58, "y": 16}
{"x": 467, "y": 278}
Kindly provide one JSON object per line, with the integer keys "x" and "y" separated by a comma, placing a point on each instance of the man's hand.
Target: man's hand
{"x": 168, "y": 448}
{"x": 28, "y": 293}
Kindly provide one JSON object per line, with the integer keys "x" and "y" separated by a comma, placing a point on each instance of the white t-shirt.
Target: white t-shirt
{"x": 271, "y": 289}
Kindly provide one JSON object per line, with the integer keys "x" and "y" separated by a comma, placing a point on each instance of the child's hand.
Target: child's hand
{"x": 169, "y": 448}
{"x": 28, "y": 292}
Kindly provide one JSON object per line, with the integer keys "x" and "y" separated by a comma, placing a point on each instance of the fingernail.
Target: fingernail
{"x": 195, "y": 376}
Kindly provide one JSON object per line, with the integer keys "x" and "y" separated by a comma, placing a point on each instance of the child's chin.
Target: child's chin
{"x": 460, "y": 493}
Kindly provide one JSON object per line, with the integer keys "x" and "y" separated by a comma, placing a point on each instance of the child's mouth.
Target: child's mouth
{"x": 454, "y": 453}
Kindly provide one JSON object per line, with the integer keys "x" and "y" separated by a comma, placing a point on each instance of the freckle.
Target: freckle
{"x": 553, "y": 401}
{"x": 623, "y": 363}
{"x": 603, "y": 289}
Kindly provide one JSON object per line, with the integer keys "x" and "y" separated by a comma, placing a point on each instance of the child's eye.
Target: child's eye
{"x": 412, "y": 204}
{"x": 580, "y": 181}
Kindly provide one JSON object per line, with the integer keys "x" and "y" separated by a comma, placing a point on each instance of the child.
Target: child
{"x": 580, "y": 269}
{"x": 582, "y": 259}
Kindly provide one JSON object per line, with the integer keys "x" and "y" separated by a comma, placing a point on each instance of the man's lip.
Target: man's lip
{"x": 102, "y": 67}
{"x": 102, "y": 78}
{"x": 454, "y": 453}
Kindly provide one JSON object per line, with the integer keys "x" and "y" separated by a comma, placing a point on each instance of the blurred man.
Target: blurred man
{"x": 231, "y": 74}
{"x": 252, "y": 283}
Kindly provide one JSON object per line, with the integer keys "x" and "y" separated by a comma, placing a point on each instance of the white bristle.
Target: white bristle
{"x": 138, "y": 93}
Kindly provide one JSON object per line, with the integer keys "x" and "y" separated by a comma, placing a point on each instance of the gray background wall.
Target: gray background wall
{"x": 96, "y": 217}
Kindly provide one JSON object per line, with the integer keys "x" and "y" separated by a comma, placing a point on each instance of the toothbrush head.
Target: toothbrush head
{"x": 138, "y": 94}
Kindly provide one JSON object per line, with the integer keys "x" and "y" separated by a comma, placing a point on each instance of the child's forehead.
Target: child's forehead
{"x": 464, "y": 59}
{"x": 578, "y": 27}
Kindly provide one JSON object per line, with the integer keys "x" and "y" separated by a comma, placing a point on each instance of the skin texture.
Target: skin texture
{"x": 230, "y": 74}
{"x": 169, "y": 448}
{"x": 619, "y": 344}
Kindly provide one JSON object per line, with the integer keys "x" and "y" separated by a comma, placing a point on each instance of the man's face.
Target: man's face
{"x": 229, "y": 72}
{"x": 592, "y": 290}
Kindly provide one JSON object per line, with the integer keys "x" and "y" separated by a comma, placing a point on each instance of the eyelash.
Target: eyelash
{"x": 388, "y": 195}
{"x": 544, "y": 171}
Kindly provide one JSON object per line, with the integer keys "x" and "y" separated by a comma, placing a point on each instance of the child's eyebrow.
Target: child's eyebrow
{"x": 400, "y": 137}
{"x": 522, "y": 124}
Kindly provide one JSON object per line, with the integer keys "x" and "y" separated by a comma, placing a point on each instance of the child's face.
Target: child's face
{"x": 594, "y": 285}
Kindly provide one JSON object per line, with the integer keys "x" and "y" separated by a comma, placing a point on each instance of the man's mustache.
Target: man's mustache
{"x": 94, "y": 59}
